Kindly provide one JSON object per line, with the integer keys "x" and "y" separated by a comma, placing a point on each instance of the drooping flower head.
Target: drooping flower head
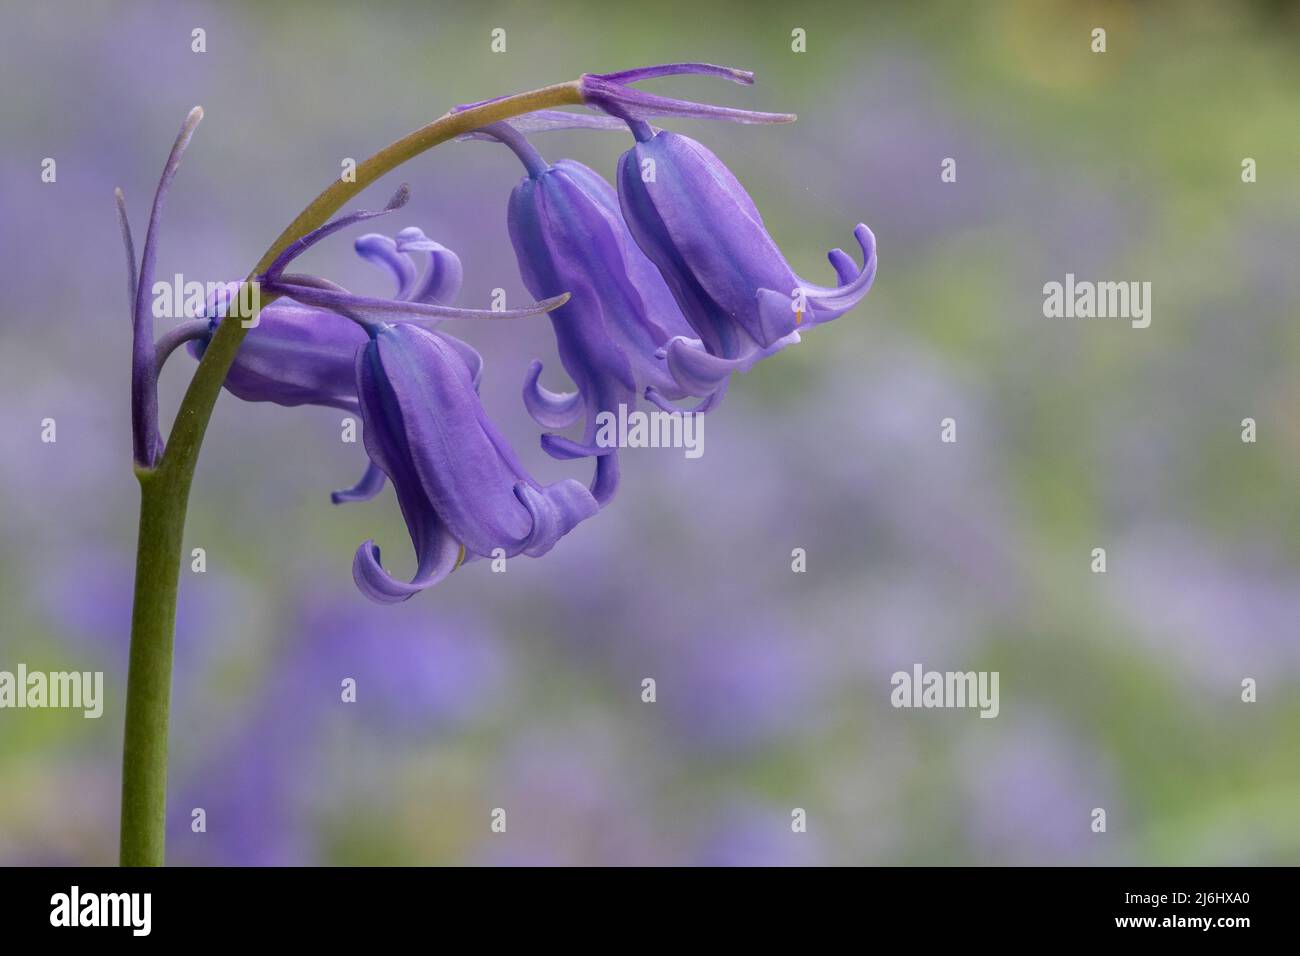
{"x": 302, "y": 348}
{"x": 569, "y": 235}
{"x": 462, "y": 490}
{"x": 677, "y": 284}
{"x": 293, "y": 362}
{"x": 299, "y": 354}
{"x": 460, "y": 486}
{"x": 306, "y": 355}
{"x": 696, "y": 222}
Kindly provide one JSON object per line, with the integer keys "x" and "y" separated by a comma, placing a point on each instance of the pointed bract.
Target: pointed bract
{"x": 612, "y": 93}
{"x": 146, "y": 438}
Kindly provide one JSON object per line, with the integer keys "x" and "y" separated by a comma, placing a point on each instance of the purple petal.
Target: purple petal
{"x": 706, "y": 405}
{"x": 556, "y": 510}
{"x": 468, "y": 354}
{"x": 700, "y": 372}
{"x": 296, "y": 355}
{"x": 831, "y": 302}
{"x": 550, "y": 409}
{"x": 382, "y": 251}
{"x": 845, "y": 268}
{"x": 566, "y": 449}
{"x": 442, "y": 271}
{"x": 697, "y": 223}
{"x": 439, "y": 554}
{"x": 371, "y": 484}
{"x": 457, "y": 480}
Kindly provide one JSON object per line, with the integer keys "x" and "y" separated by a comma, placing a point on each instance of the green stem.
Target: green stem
{"x": 165, "y": 491}
{"x": 144, "y": 751}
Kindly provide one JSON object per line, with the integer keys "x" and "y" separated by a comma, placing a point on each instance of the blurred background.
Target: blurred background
{"x": 522, "y": 691}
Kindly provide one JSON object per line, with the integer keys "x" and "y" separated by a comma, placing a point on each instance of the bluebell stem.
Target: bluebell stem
{"x": 166, "y": 476}
{"x": 706, "y": 265}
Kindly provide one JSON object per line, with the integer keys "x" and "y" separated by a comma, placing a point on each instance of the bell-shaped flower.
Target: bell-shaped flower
{"x": 699, "y": 226}
{"x": 304, "y": 355}
{"x": 569, "y": 235}
{"x": 301, "y": 354}
{"x": 461, "y": 488}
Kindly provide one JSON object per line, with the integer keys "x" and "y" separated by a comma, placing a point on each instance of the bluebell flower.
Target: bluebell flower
{"x": 303, "y": 348}
{"x": 462, "y": 490}
{"x": 306, "y": 355}
{"x": 283, "y": 359}
{"x": 569, "y": 236}
{"x": 697, "y": 223}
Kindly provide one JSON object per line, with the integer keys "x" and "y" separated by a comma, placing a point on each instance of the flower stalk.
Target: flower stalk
{"x": 165, "y": 484}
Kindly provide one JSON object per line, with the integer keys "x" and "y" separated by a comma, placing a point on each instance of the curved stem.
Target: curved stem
{"x": 534, "y": 163}
{"x": 196, "y": 408}
{"x": 165, "y": 489}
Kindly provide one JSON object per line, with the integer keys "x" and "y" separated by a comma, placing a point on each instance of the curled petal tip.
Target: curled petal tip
{"x": 549, "y": 409}
{"x": 854, "y": 283}
{"x": 373, "y": 581}
{"x": 370, "y": 485}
